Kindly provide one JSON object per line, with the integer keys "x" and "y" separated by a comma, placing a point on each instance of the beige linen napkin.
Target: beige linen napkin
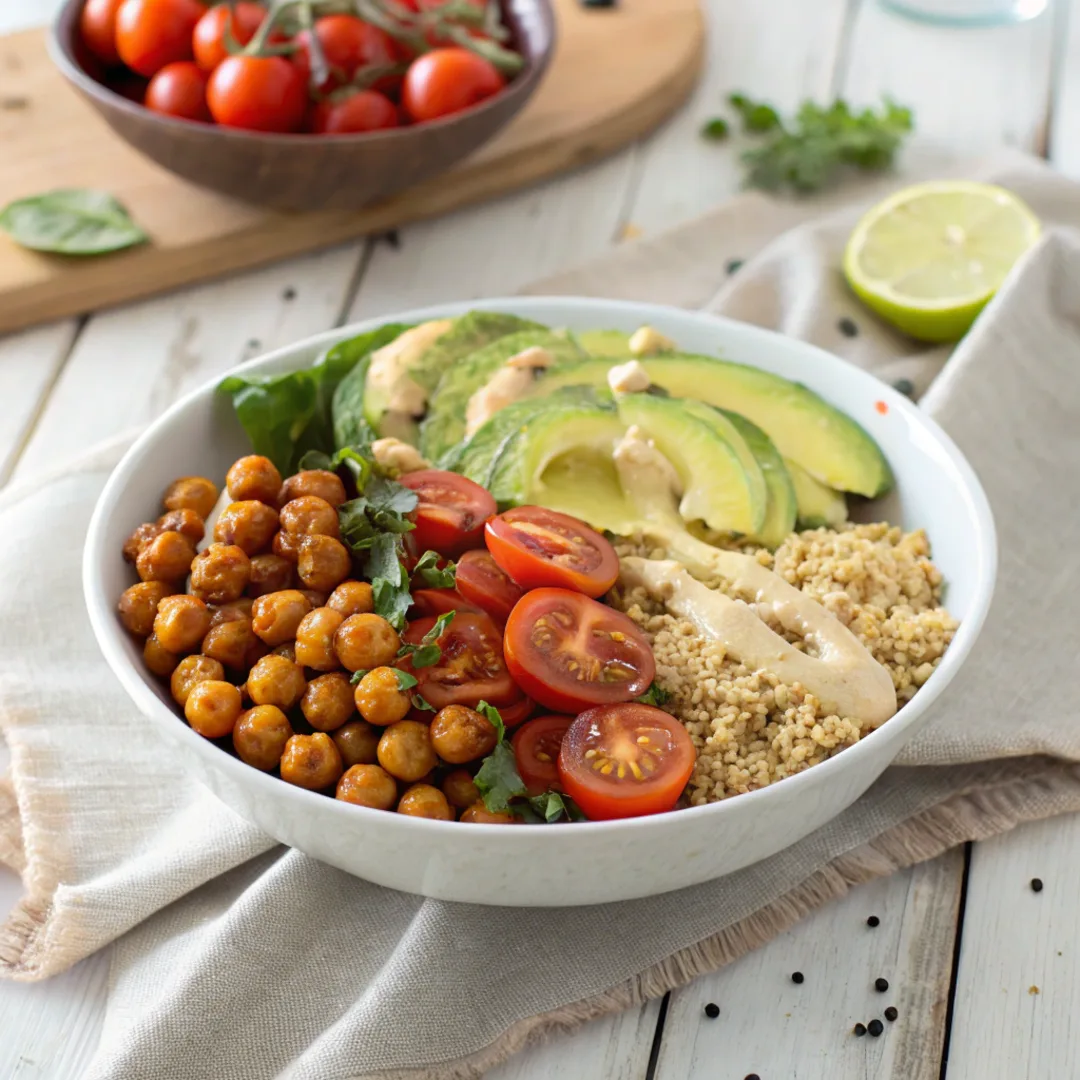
{"x": 241, "y": 959}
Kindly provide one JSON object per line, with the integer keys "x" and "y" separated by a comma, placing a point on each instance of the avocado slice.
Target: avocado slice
{"x": 605, "y": 343}
{"x": 818, "y": 506}
{"x": 780, "y": 516}
{"x": 716, "y": 486}
{"x": 803, "y": 427}
{"x": 444, "y": 425}
{"x": 586, "y": 485}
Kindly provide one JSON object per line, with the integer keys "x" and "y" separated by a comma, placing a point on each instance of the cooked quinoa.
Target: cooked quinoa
{"x": 748, "y": 727}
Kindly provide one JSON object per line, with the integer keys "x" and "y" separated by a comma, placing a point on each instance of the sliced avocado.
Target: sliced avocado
{"x": 715, "y": 485}
{"x": 586, "y": 485}
{"x": 444, "y": 425}
{"x": 819, "y": 506}
{"x": 802, "y": 426}
{"x": 605, "y": 343}
{"x": 781, "y": 513}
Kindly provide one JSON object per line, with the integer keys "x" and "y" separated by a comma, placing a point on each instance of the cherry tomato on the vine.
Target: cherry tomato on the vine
{"x": 208, "y": 39}
{"x": 446, "y": 81}
{"x": 153, "y": 33}
{"x": 97, "y": 25}
{"x": 348, "y": 44}
{"x": 179, "y": 89}
{"x": 365, "y": 110}
{"x": 259, "y": 93}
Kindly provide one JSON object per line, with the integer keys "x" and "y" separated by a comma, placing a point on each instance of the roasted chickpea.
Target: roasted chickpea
{"x": 324, "y": 562}
{"x": 357, "y": 742}
{"x": 192, "y": 670}
{"x": 379, "y": 698}
{"x": 287, "y": 546}
{"x": 260, "y": 736}
{"x": 168, "y": 557}
{"x": 254, "y": 477}
{"x": 318, "y": 482}
{"x": 138, "y": 605}
{"x": 368, "y": 785}
{"x": 139, "y": 538}
{"x": 423, "y": 800}
{"x": 276, "y": 615}
{"x": 184, "y": 521}
{"x": 311, "y": 761}
{"x": 405, "y": 751}
{"x": 248, "y": 524}
{"x": 479, "y": 814}
{"x": 288, "y": 650}
{"x": 191, "y": 493}
{"x": 328, "y": 702}
{"x": 235, "y": 609}
{"x": 213, "y": 707}
{"x": 310, "y": 516}
{"x": 366, "y": 641}
{"x": 314, "y": 597}
{"x": 351, "y": 598}
{"x": 315, "y": 639}
{"x": 234, "y": 643}
{"x": 460, "y": 734}
{"x": 181, "y": 623}
{"x": 459, "y": 789}
{"x": 220, "y": 573}
{"x": 276, "y": 680}
{"x": 270, "y": 573}
{"x": 158, "y": 659}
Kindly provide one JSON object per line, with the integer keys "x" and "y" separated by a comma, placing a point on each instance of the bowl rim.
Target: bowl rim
{"x": 58, "y": 44}
{"x": 110, "y": 635}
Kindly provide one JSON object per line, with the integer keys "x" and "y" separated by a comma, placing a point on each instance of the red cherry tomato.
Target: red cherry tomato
{"x": 471, "y": 668}
{"x": 446, "y": 81}
{"x": 153, "y": 33}
{"x": 97, "y": 25}
{"x": 536, "y": 751}
{"x": 481, "y": 581}
{"x": 512, "y": 715}
{"x": 451, "y": 513}
{"x": 366, "y": 110}
{"x": 439, "y": 601}
{"x": 259, "y": 93}
{"x": 208, "y": 38}
{"x": 570, "y": 653}
{"x": 179, "y": 89}
{"x": 538, "y": 547}
{"x": 619, "y": 761}
{"x": 348, "y": 44}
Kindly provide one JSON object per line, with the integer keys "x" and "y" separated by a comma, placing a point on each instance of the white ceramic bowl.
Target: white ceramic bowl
{"x": 591, "y": 862}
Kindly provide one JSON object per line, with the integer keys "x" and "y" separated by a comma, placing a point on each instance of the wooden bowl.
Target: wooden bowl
{"x": 307, "y": 172}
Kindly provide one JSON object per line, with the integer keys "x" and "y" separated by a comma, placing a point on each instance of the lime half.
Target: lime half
{"x": 928, "y": 258}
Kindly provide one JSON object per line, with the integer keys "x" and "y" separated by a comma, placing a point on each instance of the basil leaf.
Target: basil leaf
{"x": 426, "y": 655}
{"x": 71, "y": 221}
{"x": 495, "y": 717}
{"x": 405, "y": 681}
{"x": 358, "y": 675}
{"x": 428, "y": 652}
{"x": 432, "y": 575}
{"x": 497, "y": 780}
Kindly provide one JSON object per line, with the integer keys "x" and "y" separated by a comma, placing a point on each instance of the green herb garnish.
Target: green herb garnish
{"x": 655, "y": 695}
{"x": 430, "y": 573}
{"x": 422, "y": 703}
{"x": 717, "y": 128}
{"x": 428, "y": 652}
{"x": 71, "y": 221}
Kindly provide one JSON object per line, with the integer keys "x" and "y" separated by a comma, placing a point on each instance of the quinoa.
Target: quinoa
{"x": 749, "y": 728}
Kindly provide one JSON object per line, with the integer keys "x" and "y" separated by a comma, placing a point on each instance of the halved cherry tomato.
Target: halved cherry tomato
{"x": 512, "y": 715}
{"x": 153, "y": 33}
{"x": 570, "y": 653}
{"x": 440, "y": 601}
{"x": 97, "y": 25}
{"x": 179, "y": 89}
{"x": 620, "y": 761}
{"x": 448, "y": 80}
{"x": 366, "y": 110}
{"x": 536, "y": 750}
{"x": 471, "y": 668}
{"x": 208, "y": 38}
{"x": 348, "y": 44}
{"x": 259, "y": 93}
{"x": 539, "y": 547}
{"x": 481, "y": 581}
{"x": 451, "y": 513}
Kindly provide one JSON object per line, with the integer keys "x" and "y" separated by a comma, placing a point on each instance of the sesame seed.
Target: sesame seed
{"x": 1036, "y": 884}
{"x": 860, "y": 1030}
{"x": 881, "y": 985}
{"x": 712, "y": 1010}
{"x": 848, "y": 327}
{"x": 797, "y": 976}
{"x": 875, "y": 1027}
{"x": 891, "y": 1014}
{"x": 873, "y": 921}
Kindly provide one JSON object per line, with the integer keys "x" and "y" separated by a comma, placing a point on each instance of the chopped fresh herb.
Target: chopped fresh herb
{"x": 550, "y": 807}
{"x": 489, "y": 712}
{"x": 405, "y": 681}
{"x": 717, "y": 128}
{"x": 358, "y": 675}
{"x": 655, "y": 695}
{"x": 497, "y": 780}
{"x": 357, "y": 458}
{"x": 756, "y": 116}
{"x": 422, "y": 704}
{"x": 389, "y": 579}
{"x": 430, "y": 573}
{"x": 428, "y": 652}
{"x": 71, "y": 221}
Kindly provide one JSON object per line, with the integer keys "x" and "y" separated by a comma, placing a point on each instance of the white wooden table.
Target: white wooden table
{"x": 964, "y": 941}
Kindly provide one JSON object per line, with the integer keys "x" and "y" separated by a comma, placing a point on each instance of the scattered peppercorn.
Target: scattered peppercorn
{"x": 875, "y": 1027}
{"x": 905, "y": 387}
{"x": 891, "y": 1014}
{"x": 797, "y": 976}
{"x": 289, "y": 294}
{"x": 733, "y": 265}
{"x": 847, "y": 327}
{"x": 1036, "y": 884}
{"x": 598, "y": 3}
{"x": 752, "y": 1076}
{"x": 712, "y": 1010}
{"x": 881, "y": 985}
{"x": 392, "y": 239}
{"x": 873, "y": 921}
{"x": 860, "y": 1030}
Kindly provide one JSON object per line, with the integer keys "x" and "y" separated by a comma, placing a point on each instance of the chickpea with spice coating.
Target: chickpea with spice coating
{"x": 192, "y": 670}
{"x": 328, "y": 702}
{"x": 213, "y": 707}
{"x": 318, "y": 482}
{"x": 352, "y": 598}
{"x": 260, "y": 736}
{"x": 234, "y": 643}
{"x": 140, "y": 536}
{"x": 181, "y": 623}
{"x": 315, "y": 597}
{"x": 367, "y": 785}
{"x": 315, "y": 639}
{"x": 366, "y": 641}
{"x": 158, "y": 659}
{"x": 479, "y": 814}
{"x": 423, "y": 800}
{"x": 220, "y": 573}
{"x": 324, "y": 562}
{"x": 276, "y": 680}
{"x": 286, "y": 649}
{"x": 310, "y": 516}
{"x": 230, "y": 612}
{"x": 168, "y": 557}
{"x": 311, "y": 761}
{"x": 253, "y": 477}
{"x": 460, "y": 734}
{"x": 184, "y": 521}
{"x": 357, "y": 742}
{"x": 270, "y": 573}
{"x": 380, "y": 699}
{"x": 191, "y": 493}
{"x": 138, "y": 606}
{"x": 286, "y": 546}
{"x": 276, "y": 616}
{"x": 248, "y": 524}
{"x": 405, "y": 751}
{"x": 459, "y": 789}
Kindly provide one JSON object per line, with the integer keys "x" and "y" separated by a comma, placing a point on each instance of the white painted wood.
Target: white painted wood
{"x": 1064, "y": 142}
{"x": 23, "y": 14}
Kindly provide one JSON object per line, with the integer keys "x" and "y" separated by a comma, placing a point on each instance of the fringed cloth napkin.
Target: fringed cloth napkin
{"x": 240, "y": 959}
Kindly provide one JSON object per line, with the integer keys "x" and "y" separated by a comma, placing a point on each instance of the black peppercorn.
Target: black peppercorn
{"x": 860, "y": 1030}
{"x": 881, "y": 985}
{"x": 797, "y": 976}
{"x": 752, "y": 1076}
{"x": 873, "y": 921}
{"x": 1036, "y": 884}
{"x": 289, "y": 294}
{"x": 847, "y": 327}
{"x": 733, "y": 265}
{"x": 875, "y": 1027}
{"x": 891, "y": 1014}
{"x": 905, "y": 387}
{"x": 712, "y": 1011}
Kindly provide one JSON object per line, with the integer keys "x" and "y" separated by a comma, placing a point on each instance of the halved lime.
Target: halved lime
{"x": 928, "y": 258}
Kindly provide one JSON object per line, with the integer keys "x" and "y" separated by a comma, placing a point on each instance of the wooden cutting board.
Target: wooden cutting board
{"x": 616, "y": 74}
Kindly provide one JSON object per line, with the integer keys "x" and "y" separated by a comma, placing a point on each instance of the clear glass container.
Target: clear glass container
{"x": 968, "y": 12}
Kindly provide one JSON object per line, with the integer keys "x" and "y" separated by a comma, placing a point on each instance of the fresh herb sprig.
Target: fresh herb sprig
{"x": 432, "y": 575}
{"x": 428, "y": 651}
{"x": 655, "y": 695}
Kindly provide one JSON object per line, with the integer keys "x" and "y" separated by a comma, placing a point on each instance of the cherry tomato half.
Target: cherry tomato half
{"x": 620, "y": 761}
{"x": 208, "y": 38}
{"x": 366, "y": 110}
{"x": 570, "y": 653}
{"x": 259, "y": 93}
{"x": 439, "y": 601}
{"x": 536, "y": 750}
{"x": 348, "y": 44}
{"x": 97, "y": 25}
{"x": 179, "y": 89}
{"x": 446, "y": 81}
{"x": 481, "y": 581}
{"x": 153, "y": 33}
{"x": 537, "y": 547}
{"x": 512, "y": 715}
{"x": 471, "y": 668}
{"x": 451, "y": 513}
